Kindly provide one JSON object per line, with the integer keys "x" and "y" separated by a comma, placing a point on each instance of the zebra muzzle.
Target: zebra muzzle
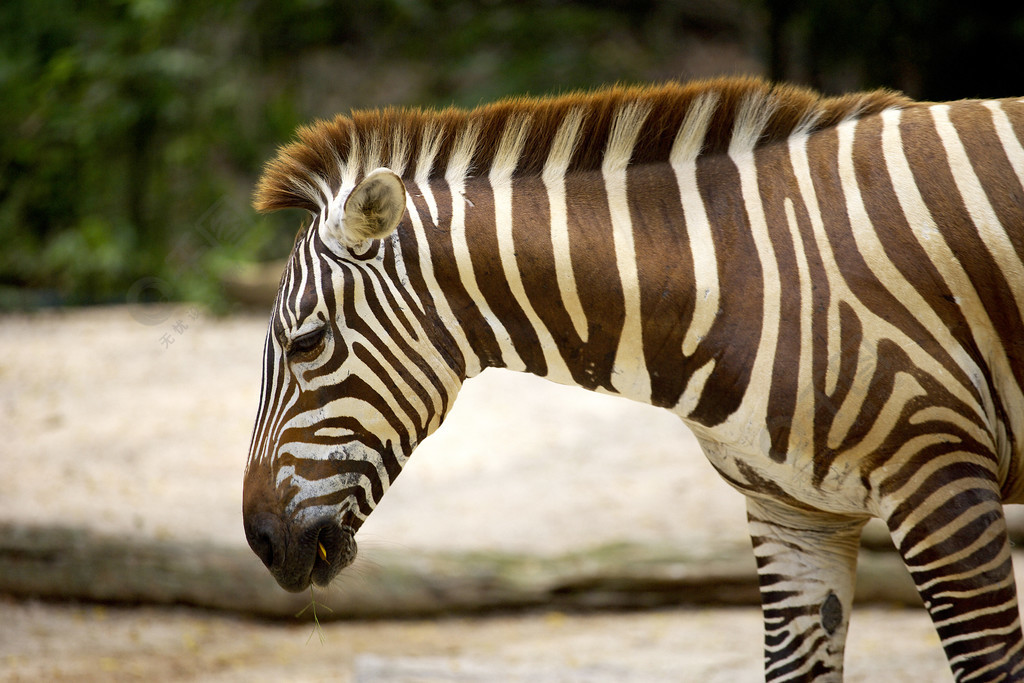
{"x": 297, "y": 558}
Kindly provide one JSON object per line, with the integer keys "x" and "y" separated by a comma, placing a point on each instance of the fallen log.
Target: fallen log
{"x": 55, "y": 563}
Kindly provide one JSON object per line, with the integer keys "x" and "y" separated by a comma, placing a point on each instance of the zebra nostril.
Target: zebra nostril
{"x": 264, "y": 536}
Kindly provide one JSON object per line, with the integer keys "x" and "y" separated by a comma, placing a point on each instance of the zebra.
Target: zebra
{"x": 827, "y": 290}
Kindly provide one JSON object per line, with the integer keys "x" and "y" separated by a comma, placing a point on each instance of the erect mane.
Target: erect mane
{"x": 418, "y": 143}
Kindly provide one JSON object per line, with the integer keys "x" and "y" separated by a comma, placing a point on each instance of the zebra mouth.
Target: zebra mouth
{"x": 334, "y": 548}
{"x": 313, "y": 556}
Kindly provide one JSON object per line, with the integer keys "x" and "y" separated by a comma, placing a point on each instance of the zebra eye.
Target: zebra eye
{"x": 306, "y": 343}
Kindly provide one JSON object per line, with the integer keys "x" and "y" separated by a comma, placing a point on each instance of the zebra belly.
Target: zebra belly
{"x": 793, "y": 482}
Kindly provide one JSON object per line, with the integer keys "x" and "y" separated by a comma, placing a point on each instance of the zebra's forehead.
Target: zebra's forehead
{"x": 302, "y": 294}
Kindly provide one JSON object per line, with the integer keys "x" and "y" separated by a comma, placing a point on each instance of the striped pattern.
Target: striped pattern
{"x": 830, "y": 291}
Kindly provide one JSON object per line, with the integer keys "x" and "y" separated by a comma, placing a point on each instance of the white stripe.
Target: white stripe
{"x": 277, "y": 426}
{"x": 982, "y": 214}
{"x": 630, "y": 375}
{"x": 553, "y": 176}
{"x": 418, "y": 339}
{"x": 402, "y": 290}
{"x": 444, "y": 309}
{"x": 683, "y": 158}
{"x": 694, "y": 129}
{"x": 399, "y": 150}
{"x": 1012, "y": 146}
{"x": 865, "y": 235}
{"x": 461, "y": 157}
{"x": 837, "y": 288}
{"x": 317, "y": 276}
{"x": 753, "y": 116}
{"x": 458, "y": 168}
{"x": 430, "y": 145}
{"x": 755, "y": 111}
{"x": 690, "y": 397}
{"x": 945, "y": 261}
{"x": 801, "y": 432}
{"x": 509, "y": 150}
{"x": 269, "y": 398}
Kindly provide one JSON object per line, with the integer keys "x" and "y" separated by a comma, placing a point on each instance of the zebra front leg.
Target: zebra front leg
{"x": 806, "y": 565}
{"x": 951, "y": 533}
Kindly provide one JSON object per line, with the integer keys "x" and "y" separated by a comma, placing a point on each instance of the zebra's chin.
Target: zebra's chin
{"x": 298, "y": 558}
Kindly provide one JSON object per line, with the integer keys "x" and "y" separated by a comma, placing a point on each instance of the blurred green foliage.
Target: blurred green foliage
{"x": 134, "y": 130}
{"x": 132, "y": 125}
{"x": 124, "y": 122}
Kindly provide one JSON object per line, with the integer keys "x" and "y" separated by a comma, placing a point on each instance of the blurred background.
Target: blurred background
{"x": 134, "y": 130}
{"x": 133, "y": 304}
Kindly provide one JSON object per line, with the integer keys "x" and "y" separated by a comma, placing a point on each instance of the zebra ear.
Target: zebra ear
{"x": 373, "y": 209}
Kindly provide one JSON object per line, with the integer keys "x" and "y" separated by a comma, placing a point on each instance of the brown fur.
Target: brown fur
{"x": 322, "y": 147}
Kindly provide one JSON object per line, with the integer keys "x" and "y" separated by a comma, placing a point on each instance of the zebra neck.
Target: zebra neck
{"x": 543, "y": 275}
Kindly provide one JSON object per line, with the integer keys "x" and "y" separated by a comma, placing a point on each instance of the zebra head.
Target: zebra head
{"x": 352, "y": 381}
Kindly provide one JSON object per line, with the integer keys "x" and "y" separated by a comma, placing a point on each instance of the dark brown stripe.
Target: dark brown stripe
{"x": 934, "y": 178}
{"x": 407, "y": 385}
{"x": 531, "y": 238}
{"x": 597, "y": 277}
{"x": 446, "y": 271}
{"x": 440, "y": 335}
{"x": 665, "y": 269}
{"x": 335, "y": 498}
{"x": 990, "y": 163}
{"x": 733, "y": 339}
{"x": 383, "y": 344}
{"x": 774, "y": 172}
{"x": 905, "y": 252}
{"x": 1014, "y": 110}
{"x": 482, "y": 240}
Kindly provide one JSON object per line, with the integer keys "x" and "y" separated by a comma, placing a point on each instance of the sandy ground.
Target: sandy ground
{"x": 89, "y": 643}
{"x": 138, "y": 420}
